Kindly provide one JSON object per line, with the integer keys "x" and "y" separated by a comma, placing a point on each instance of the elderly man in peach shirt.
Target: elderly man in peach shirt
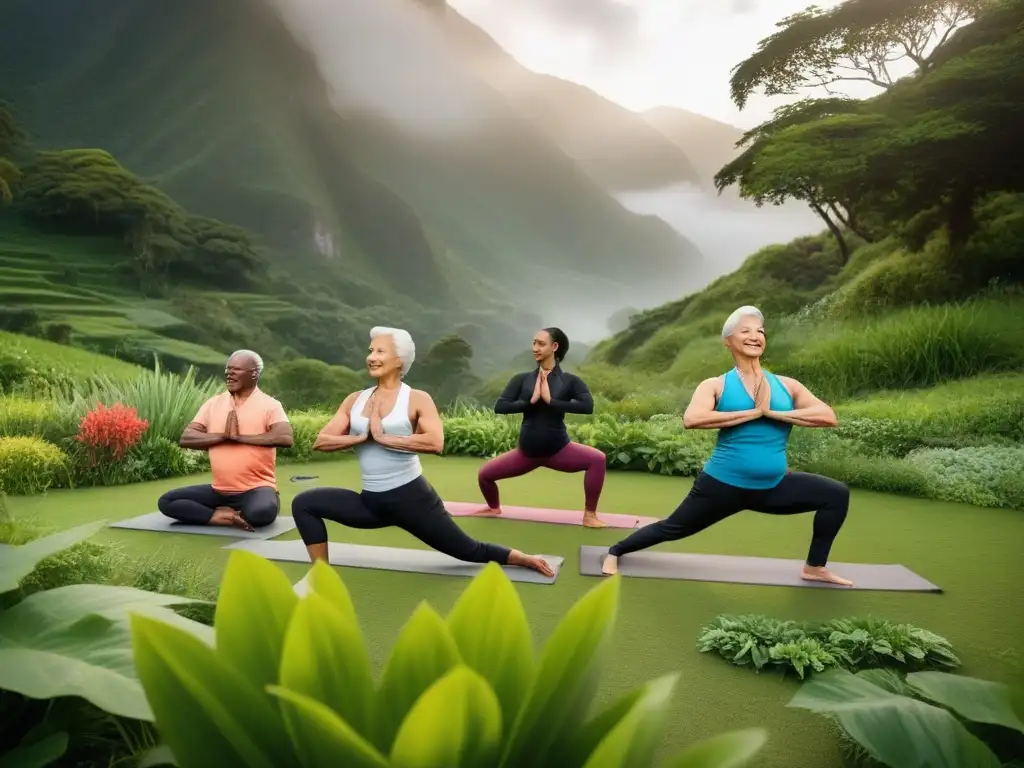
{"x": 241, "y": 428}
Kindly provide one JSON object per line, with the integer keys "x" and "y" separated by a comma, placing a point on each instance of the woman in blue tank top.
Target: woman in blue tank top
{"x": 754, "y": 411}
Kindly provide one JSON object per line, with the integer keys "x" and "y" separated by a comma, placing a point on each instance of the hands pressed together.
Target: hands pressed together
{"x": 541, "y": 390}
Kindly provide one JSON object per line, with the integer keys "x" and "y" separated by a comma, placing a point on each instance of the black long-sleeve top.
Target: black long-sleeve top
{"x": 543, "y": 432}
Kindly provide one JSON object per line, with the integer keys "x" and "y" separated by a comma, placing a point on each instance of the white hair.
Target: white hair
{"x": 255, "y": 358}
{"x": 734, "y": 319}
{"x": 405, "y": 347}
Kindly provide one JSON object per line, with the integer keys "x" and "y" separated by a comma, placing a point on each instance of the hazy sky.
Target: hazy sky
{"x": 641, "y": 53}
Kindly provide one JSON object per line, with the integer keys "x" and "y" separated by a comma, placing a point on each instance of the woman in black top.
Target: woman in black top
{"x": 544, "y": 396}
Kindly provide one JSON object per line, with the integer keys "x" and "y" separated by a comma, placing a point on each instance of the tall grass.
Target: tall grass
{"x": 165, "y": 399}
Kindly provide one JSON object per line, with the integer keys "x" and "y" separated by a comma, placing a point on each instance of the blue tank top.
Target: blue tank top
{"x": 752, "y": 454}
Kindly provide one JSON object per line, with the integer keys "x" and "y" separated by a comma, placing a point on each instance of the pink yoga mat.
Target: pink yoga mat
{"x": 558, "y": 516}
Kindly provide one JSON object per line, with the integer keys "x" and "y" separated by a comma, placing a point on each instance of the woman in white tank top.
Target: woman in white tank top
{"x": 388, "y": 426}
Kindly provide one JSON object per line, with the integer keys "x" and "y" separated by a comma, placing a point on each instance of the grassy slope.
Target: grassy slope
{"x": 659, "y": 620}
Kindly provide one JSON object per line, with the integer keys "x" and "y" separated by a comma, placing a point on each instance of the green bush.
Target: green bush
{"x": 29, "y": 465}
{"x": 155, "y": 459}
{"x": 984, "y": 476}
{"x": 462, "y": 690}
{"x": 306, "y": 425}
{"x": 850, "y": 643}
{"x": 305, "y": 383}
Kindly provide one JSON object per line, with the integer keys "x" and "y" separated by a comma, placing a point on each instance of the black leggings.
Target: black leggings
{"x": 414, "y": 507}
{"x": 195, "y": 504}
{"x": 711, "y": 501}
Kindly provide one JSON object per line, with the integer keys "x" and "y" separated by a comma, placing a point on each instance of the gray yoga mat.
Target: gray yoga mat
{"x": 391, "y": 559}
{"x": 768, "y": 571}
{"x": 155, "y": 521}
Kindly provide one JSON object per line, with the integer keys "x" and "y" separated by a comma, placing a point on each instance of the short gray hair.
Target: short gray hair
{"x": 734, "y": 319}
{"x": 255, "y": 358}
{"x": 405, "y": 347}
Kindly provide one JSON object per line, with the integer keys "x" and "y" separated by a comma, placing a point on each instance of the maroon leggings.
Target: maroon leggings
{"x": 573, "y": 458}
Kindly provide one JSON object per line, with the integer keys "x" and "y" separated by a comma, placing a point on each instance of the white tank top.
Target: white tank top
{"x": 384, "y": 468}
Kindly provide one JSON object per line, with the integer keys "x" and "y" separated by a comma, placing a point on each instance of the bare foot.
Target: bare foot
{"x": 487, "y": 512}
{"x": 531, "y": 561}
{"x": 228, "y": 516}
{"x": 813, "y": 573}
{"x": 610, "y": 566}
{"x": 591, "y": 520}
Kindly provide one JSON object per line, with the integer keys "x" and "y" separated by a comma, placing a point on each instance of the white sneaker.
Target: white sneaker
{"x": 302, "y": 587}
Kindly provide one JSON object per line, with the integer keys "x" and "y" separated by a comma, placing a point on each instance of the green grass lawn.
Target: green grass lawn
{"x": 973, "y": 554}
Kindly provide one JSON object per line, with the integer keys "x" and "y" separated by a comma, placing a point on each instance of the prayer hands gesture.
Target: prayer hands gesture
{"x": 763, "y": 396}
{"x": 376, "y": 421}
{"x": 231, "y": 426}
{"x": 541, "y": 378}
{"x": 545, "y": 391}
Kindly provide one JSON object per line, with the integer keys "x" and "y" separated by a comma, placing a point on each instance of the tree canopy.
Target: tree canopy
{"x": 940, "y": 140}
{"x": 87, "y": 190}
{"x": 857, "y": 41}
{"x": 11, "y": 137}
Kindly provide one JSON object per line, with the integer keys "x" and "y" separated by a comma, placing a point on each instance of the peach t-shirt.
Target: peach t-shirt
{"x": 238, "y": 467}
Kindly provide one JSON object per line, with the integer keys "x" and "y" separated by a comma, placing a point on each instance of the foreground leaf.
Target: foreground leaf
{"x": 325, "y": 659}
{"x": 324, "y": 581}
{"x": 490, "y": 628}
{"x": 18, "y": 561}
{"x": 456, "y": 723}
{"x": 895, "y": 730}
{"x": 253, "y": 609}
{"x": 159, "y": 755}
{"x": 207, "y": 712}
{"x": 566, "y": 680}
{"x": 978, "y": 701}
{"x": 423, "y": 653}
{"x": 321, "y": 738}
{"x": 584, "y": 741}
{"x": 91, "y": 658}
{"x": 727, "y": 750}
{"x": 38, "y": 754}
{"x": 634, "y": 740}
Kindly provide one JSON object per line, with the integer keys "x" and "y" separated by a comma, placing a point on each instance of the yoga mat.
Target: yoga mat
{"x": 752, "y": 570}
{"x": 155, "y": 521}
{"x": 558, "y": 516}
{"x": 390, "y": 559}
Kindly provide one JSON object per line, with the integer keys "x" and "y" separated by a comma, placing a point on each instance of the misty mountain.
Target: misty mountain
{"x": 352, "y": 138}
{"x": 617, "y": 147}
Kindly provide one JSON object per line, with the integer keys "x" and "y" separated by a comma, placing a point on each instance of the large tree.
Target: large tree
{"x": 11, "y": 137}
{"x": 857, "y": 41}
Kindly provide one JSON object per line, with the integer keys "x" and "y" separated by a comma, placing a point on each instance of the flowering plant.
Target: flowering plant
{"x": 109, "y": 433}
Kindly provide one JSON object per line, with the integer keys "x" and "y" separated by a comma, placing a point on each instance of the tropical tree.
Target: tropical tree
{"x": 865, "y": 41}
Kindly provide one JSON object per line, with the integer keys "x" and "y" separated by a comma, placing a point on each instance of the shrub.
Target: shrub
{"x": 167, "y": 401}
{"x": 306, "y": 425}
{"x": 463, "y": 690}
{"x": 29, "y": 465}
{"x": 851, "y": 643}
{"x": 305, "y": 383}
{"x": 983, "y": 476}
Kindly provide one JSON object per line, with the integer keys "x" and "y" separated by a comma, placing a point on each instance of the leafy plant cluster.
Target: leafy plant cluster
{"x": 462, "y": 690}
{"x": 805, "y": 647}
{"x": 925, "y": 718}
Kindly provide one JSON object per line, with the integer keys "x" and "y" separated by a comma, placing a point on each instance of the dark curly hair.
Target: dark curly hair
{"x": 558, "y": 337}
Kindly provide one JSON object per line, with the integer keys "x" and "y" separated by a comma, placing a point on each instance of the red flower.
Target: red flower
{"x": 111, "y": 431}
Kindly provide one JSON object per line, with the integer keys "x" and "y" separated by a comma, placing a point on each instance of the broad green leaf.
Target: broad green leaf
{"x": 734, "y": 749}
{"x": 633, "y": 742}
{"x": 978, "y": 701}
{"x": 38, "y": 754}
{"x": 325, "y": 582}
{"x": 91, "y": 658}
{"x": 566, "y": 680}
{"x": 18, "y": 561}
{"x": 583, "y": 741}
{"x": 325, "y": 659}
{"x": 159, "y": 755}
{"x": 424, "y": 652}
{"x": 456, "y": 723}
{"x": 254, "y": 606}
{"x": 490, "y": 628}
{"x": 895, "y": 730}
{"x": 206, "y": 711}
{"x": 321, "y": 738}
